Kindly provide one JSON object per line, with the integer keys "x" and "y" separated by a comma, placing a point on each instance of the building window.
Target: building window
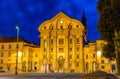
{"x": 93, "y": 55}
{"x": 78, "y": 49}
{"x": 77, "y": 56}
{"x": 87, "y": 65}
{"x": 1, "y": 61}
{"x": 77, "y": 26}
{"x": 77, "y": 64}
{"x": 2, "y": 47}
{"x": 45, "y": 27}
{"x": 86, "y": 56}
{"x": 61, "y": 50}
{"x": 52, "y": 27}
{"x": 17, "y": 45}
{"x": 9, "y": 54}
{"x": 51, "y": 50}
{"x": 70, "y": 49}
{"x": 61, "y": 27}
{"x": 77, "y": 40}
{"x": 1, "y": 54}
{"x": 45, "y": 42}
{"x": 61, "y": 41}
{"x": 102, "y": 61}
{"x": 36, "y": 55}
{"x": 51, "y": 41}
{"x": 102, "y": 67}
{"x": 71, "y": 41}
{"x": 9, "y": 46}
{"x": 70, "y": 56}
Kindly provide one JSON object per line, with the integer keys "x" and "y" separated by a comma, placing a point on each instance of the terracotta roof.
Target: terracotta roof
{"x": 11, "y": 39}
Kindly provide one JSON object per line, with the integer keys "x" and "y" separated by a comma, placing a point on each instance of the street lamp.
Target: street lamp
{"x": 98, "y": 53}
{"x": 16, "y": 68}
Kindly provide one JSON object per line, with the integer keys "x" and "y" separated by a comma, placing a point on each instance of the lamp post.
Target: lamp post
{"x": 16, "y": 68}
{"x": 98, "y": 53}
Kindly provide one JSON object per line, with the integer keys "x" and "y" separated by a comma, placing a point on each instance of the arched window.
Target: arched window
{"x": 45, "y": 27}
{"x": 70, "y": 26}
{"x": 52, "y": 28}
{"x": 61, "y": 27}
{"x": 77, "y": 26}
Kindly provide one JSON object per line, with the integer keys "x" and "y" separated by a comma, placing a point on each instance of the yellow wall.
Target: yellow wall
{"x": 9, "y": 56}
{"x": 62, "y": 28}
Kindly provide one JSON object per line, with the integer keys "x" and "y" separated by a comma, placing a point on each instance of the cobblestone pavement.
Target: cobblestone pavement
{"x": 42, "y": 76}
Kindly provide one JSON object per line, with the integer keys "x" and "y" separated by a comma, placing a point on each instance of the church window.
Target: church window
{"x": 45, "y": 27}
{"x": 61, "y": 41}
{"x": 51, "y": 50}
{"x": 36, "y": 55}
{"x": 77, "y": 41}
{"x": 70, "y": 49}
{"x": 78, "y": 49}
{"x": 51, "y": 41}
{"x": 71, "y": 41}
{"x": 52, "y": 28}
{"x": 77, "y": 56}
{"x": 93, "y": 55}
{"x": 77, "y": 64}
{"x": 77, "y": 26}
{"x": 61, "y": 50}
{"x": 61, "y": 27}
{"x": 86, "y": 56}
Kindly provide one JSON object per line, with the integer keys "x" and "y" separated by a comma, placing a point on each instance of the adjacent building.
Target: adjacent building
{"x": 28, "y": 55}
{"x": 94, "y": 59}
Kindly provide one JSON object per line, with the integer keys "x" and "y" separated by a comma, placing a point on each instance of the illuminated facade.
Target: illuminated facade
{"x": 62, "y": 44}
{"x": 62, "y": 47}
{"x": 28, "y": 55}
{"x": 94, "y": 59}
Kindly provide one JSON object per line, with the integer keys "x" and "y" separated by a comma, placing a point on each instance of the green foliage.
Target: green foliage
{"x": 109, "y": 21}
{"x": 108, "y": 51}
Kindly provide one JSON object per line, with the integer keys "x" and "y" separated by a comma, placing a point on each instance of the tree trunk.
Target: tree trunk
{"x": 117, "y": 51}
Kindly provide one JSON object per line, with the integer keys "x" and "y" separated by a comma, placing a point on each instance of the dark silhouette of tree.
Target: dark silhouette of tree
{"x": 109, "y": 27}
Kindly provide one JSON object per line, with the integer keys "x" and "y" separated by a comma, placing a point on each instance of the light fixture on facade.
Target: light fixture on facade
{"x": 61, "y": 22}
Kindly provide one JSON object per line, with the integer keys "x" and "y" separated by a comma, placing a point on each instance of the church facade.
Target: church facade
{"x": 62, "y": 44}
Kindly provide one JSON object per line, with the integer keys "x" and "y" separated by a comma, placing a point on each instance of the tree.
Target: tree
{"x": 108, "y": 26}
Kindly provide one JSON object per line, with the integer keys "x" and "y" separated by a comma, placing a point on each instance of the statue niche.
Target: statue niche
{"x": 61, "y": 61}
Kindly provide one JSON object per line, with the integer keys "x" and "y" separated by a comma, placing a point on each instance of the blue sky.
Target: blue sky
{"x": 29, "y": 14}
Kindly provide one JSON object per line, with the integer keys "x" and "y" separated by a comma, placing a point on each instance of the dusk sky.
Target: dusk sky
{"x": 29, "y": 14}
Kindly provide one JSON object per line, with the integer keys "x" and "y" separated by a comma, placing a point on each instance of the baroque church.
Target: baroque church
{"x": 62, "y": 44}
